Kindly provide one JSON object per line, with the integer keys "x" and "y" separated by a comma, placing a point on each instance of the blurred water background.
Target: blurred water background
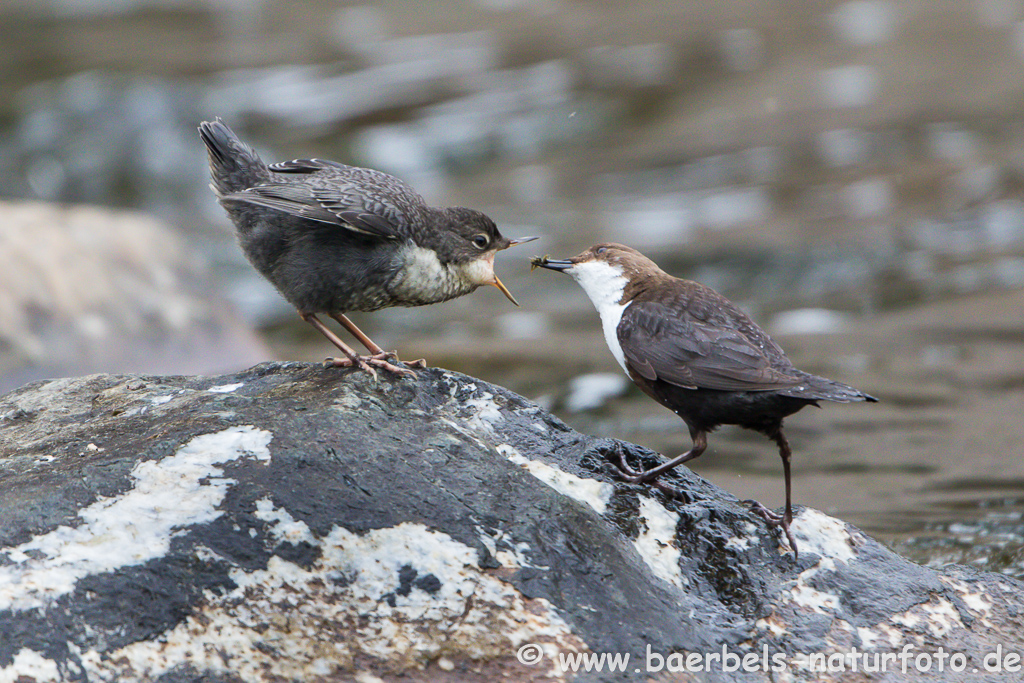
{"x": 852, "y": 173}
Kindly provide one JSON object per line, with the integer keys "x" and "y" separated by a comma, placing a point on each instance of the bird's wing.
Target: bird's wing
{"x": 364, "y": 201}
{"x": 674, "y": 344}
{"x": 305, "y": 166}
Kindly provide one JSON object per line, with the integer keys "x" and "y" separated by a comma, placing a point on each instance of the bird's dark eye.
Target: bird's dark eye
{"x": 481, "y": 241}
{"x": 601, "y": 250}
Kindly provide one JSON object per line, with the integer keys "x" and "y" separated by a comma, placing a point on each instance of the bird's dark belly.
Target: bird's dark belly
{"x": 323, "y": 275}
{"x": 706, "y": 409}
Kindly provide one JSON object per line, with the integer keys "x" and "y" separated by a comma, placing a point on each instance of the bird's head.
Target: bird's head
{"x": 471, "y": 245}
{"x": 603, "y": 270}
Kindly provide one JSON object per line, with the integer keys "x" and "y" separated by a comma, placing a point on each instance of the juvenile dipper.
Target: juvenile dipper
{"x": 693, "y": 351}
{"x": 334, "y": 238}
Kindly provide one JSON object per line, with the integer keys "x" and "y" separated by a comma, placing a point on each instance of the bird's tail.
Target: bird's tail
{"x": 234, "y": 165}
{"x": 819, "y": 388}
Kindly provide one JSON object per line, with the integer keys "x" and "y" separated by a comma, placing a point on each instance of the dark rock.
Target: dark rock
{"x": 296, "y": 522}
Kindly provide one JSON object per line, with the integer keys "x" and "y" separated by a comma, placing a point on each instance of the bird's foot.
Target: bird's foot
{"x": 774, "y": 520}
{"x": 368, "y": 363}
{"x": 388, "y": 360}
{"x": 633, "y": 476}
{"x": 350, "y": 362}
{"x": 385, "y": 364}
{"x": 392, "y": 357}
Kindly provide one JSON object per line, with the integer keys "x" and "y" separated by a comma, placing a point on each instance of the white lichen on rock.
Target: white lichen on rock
{"x": 133, "y": 527}
{"x": 351, "y": 603}
{"x": 657, "y": 543}
{"x": 591, "y": 492}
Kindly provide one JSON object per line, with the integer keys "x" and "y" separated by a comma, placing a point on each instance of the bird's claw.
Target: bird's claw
{"x": 774, "y": 520}
{"x": 627, "y": 473}
{"x": 392, "y": 356}
{"x": 389, "y": 361}
{"x": 358, "y": 361}
{"x": 368, "y": 363}
{"x": 384, "y": 364}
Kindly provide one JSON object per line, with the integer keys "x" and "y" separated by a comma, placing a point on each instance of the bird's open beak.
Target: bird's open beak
{"x": 497, "y": 283}
{"x": 504, "y": 290}
{"x": 551, "y": 263}
{"x": 521, "y": 240}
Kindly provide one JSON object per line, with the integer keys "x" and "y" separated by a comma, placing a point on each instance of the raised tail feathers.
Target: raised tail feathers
{"x": 234, "y": 165}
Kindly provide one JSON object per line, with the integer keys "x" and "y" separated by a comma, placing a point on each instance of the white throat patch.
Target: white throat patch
{"x": 423, "y": 279}
{"x": 604, "y": 283}
{"x": 480, "y": 271}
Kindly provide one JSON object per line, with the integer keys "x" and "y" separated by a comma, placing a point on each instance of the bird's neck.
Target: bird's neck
{"x": 603, "y": 283}
{"x": 646, "y": 281}
{"x": 424, "y": 279}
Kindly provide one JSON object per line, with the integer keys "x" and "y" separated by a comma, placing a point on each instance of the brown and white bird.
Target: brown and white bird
{"x": 696, "y": 353}
{"x": 334, "y": 238}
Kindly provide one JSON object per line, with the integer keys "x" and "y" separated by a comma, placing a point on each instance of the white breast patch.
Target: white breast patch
{"x": 604, "y": 283}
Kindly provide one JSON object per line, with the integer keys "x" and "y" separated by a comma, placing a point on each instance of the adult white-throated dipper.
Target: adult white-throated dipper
{"x": 696, "y": 353}
{"x": 334, "y": 238}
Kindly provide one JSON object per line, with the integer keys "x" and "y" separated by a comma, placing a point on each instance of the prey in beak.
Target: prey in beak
{"x": 495, "y": 282}
{"x": 550, "y": 263}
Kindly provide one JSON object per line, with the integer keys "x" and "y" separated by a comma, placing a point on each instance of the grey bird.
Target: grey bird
{"x": 696, "y": 353}
{"x": 334, "y": 238}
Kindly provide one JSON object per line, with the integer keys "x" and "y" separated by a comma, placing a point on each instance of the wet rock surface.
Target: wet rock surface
{"x": 296, "y": 522}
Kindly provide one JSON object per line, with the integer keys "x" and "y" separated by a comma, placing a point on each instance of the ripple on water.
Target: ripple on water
{"x": 989, "y": 537}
